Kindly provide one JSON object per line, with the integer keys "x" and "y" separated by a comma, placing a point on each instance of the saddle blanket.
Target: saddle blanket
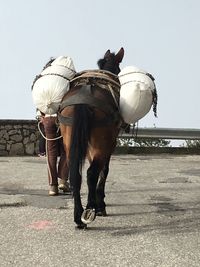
{"x": 52, "y": 84}
{"x": 136, "y": 93}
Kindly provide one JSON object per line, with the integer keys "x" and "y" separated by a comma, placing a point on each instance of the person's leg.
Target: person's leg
{"x": 42, "y": 142}
{"x": 63, "y": 170}
{"x": 52, "y": 153}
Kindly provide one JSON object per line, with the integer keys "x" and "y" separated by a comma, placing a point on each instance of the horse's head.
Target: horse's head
{"x": 111, "y": 61}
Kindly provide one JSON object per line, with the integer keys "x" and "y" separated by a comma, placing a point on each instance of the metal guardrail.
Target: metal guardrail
{"x": 162, "y": 133}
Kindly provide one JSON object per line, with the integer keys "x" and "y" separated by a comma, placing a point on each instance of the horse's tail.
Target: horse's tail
{"x": 81, "y": 128}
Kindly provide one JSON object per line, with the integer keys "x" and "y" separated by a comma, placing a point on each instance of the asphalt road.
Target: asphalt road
{"x": 153, "y": 205}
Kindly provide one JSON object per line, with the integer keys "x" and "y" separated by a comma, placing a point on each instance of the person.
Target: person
{"x": 56, "y": 157}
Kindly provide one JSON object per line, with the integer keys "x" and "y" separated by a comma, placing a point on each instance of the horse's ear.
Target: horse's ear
{"x": 119, "y": 56}
{"x": 107, "y": 53}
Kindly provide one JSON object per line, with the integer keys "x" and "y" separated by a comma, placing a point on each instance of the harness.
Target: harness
{"x": 86, "y": 86}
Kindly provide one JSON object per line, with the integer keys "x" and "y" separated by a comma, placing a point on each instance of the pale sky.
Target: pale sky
{"x": 159, "y": 36}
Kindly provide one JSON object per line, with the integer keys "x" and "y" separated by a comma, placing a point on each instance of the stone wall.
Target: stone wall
{"x": 21, "y": 138}
{"x": 18, "y": 137}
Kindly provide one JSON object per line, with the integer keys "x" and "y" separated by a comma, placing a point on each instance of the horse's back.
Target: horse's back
{"x": 98, "y": 89}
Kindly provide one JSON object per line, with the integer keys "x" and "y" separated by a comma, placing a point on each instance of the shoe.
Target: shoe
{"x": 42, "y": 155}
{"x": 53, "y": 190}
{"x": 64, "y": 186}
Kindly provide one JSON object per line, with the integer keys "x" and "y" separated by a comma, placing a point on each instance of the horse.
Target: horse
{"x": 90, "y": 121}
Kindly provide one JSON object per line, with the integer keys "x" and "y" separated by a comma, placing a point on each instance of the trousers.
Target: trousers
{"x": 56, "y": 156}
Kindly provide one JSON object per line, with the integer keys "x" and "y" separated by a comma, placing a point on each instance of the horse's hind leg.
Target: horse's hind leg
{"x": 78, "y": 208}
{"x": 100, "y": 191}
{"x": 78, "y": 211}
{"x": 92, "y": 179}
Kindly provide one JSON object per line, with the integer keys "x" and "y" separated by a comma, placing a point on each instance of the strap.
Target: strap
{"x": 65, "y": 120}
{"x": 107, "y": 120}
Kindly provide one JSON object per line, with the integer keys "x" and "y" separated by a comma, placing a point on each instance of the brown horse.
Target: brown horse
{"x": 90, "y": 122}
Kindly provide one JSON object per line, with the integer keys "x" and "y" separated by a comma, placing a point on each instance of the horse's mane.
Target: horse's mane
{"x": 101, "y": 62}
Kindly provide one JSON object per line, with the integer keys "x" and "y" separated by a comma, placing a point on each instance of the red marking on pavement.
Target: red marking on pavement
{"x": 41, "y": 225}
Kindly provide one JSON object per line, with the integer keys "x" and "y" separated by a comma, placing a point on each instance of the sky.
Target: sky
{"x": 159, "y": 36}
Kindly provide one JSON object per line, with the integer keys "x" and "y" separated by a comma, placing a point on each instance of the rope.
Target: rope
{"x": 113, "y": 95}
{"x": 131, "y": 72}
{"x": 47, "y": 139}
{"x": 55, "y": 74}
{"x": 103, "y": 76}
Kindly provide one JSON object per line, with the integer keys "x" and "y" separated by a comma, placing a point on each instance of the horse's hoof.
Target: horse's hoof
{"x": 88, "y": 216}
{"x": 102, "y": 213}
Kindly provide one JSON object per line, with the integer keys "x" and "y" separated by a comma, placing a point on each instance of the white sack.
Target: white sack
{"x": 136, "y": 96}
{"x": 49, "y": 90}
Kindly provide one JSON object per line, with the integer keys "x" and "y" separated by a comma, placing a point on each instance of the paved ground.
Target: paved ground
{"x": 153, "y": 204}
